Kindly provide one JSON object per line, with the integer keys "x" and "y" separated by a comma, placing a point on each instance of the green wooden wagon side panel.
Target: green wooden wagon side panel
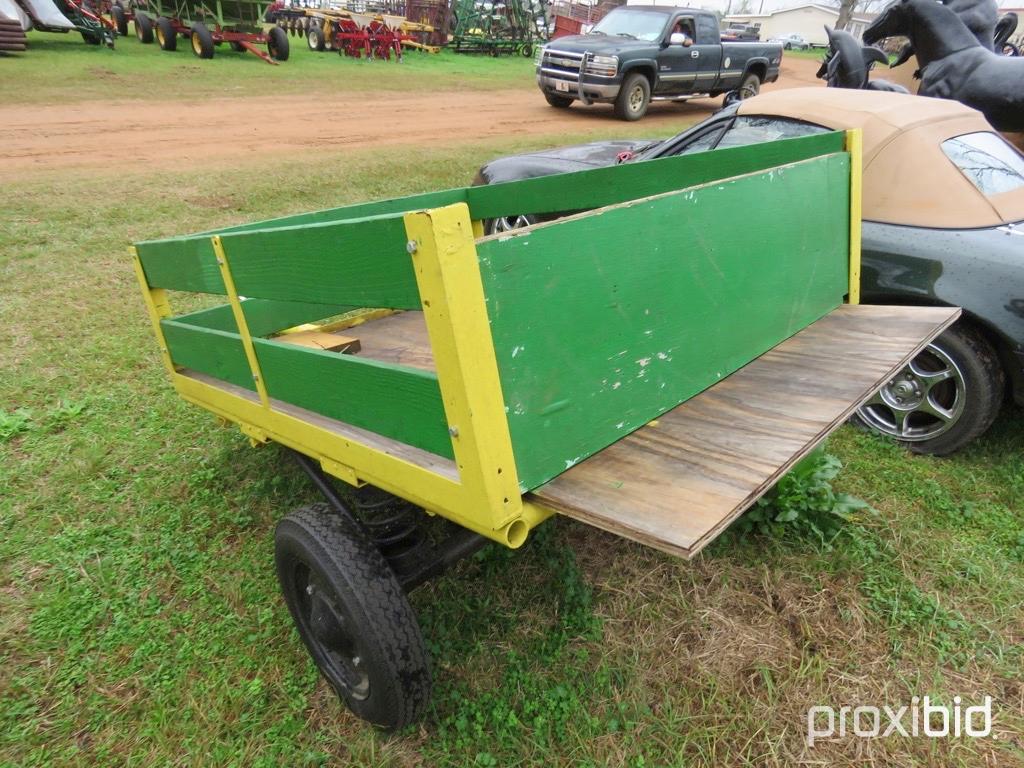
{"x": 604, "y": 321}
{"x": 401, "y": 403}
{"x": 395, "y": 401}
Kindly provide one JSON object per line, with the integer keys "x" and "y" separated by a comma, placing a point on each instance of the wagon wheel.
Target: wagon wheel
{"x": 202, "y": 41}
{"x": 277, "y": 44}
{"x": 143, "y": 28}
{"x": 120, "y": 20}
{"x": 166, "y": 36}
{"x": 353, "y": 616}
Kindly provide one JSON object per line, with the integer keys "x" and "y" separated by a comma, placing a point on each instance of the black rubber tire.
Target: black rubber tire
{"x": 92, "y": 38}
{"x": 526, "y": 50}
{"x": 558, "y": 102}
{"x": 201, "y": 41}
{"x": 237, "y": 47}
{"x": 751, "y": 82}
{"x": 787, "y": 47}
{"x": 984, "y": 389}
{"x": 143, "y": 28}
{"x": 119, "y": 19}
{"x": 624, "y": 109}
{"x": 166, "y": 35}
{"x": 362, "y": 589}
{"x": 277, "y": 44}
{"x": 315, "y": 38}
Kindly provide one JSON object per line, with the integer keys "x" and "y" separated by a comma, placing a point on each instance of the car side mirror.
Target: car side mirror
{"x": 679, "y": 38}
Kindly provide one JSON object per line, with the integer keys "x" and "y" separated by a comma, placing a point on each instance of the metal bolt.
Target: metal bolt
{"x": 909, "y": 377}
{"x": 255, "y": 377}
{"x": 453, "y": 431}
{"x": 309, "y": 589}
{"x": 899, "y": 399}
{"x": 917, "y": 392}
{"x": 412, "y": 246}
{"x": 356, "y": 661}
{"x": 221, "y": 262}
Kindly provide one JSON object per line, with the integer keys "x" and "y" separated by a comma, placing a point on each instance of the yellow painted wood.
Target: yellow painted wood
{"x": 157, "y": 307}
{"x": 451, "y": 289}
{"x": 854, "y": 145}
{"x": 243, "y": 326}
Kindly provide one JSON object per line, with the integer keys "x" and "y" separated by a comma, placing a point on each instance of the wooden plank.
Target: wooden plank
{"x": 214, "y": 352}
{"x": 328, "y": 342}
{"x": 677, "y": 483}
{"x": 400, "y": 338}
{"x": 615, "y": 184}
{"x": 602, "y": 322}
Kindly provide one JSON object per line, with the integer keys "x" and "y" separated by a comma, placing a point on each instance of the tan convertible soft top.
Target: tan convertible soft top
{"x": 907, "y": 177}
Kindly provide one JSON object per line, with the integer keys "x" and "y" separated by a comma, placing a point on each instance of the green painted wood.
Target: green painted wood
{"x": 263, "y": 316}
{"x": 397, "y": 402}
{"x": 604, "y": 321}
{"x": 615, "y": 184}
{"x": 181, "y": 264}
{"x": 216, "y": 352}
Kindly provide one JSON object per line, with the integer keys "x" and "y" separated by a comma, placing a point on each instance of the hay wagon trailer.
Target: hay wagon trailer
{"x": 206, "y": 25}
{"x": 649, "y": 364}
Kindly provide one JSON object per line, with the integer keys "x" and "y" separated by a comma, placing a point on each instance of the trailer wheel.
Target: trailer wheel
{"x": 202, "y": 41}
{"x": 634, "y": 97}
{"x": 143, "y": 28}
{"x": 166, "y": 37}
{"x": 120, "y": 20}
{"x": 315, "y": 38}
{"x": 277, "y": 44}
{"x": 353, "y": 616}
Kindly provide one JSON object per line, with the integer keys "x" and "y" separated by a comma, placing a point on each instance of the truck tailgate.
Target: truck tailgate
{"x": 678, "y": 482}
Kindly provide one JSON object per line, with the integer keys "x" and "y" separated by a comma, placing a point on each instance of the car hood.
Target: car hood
{"x": 562, "y": 160}
{"x": 606, "y": 45}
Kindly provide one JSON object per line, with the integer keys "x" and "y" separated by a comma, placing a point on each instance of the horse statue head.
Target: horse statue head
{"x": 848, "y": 63}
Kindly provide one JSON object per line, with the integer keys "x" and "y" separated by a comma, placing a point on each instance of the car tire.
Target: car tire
{"x": 941, "y": 415}
{"x": 558, "y": 102}
{"x": 353, "y": 616}
{"x": 634, "y": 97}
{"x": 508, "y": 223}
{"x": 750, "y": 86}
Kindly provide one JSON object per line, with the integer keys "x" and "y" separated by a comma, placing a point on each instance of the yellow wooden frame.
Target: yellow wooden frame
{"x": 855, "y": 147}
{"x": 485, "y": 497}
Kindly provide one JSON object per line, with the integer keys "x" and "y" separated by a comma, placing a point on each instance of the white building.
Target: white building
{"x": 806, "y": 20}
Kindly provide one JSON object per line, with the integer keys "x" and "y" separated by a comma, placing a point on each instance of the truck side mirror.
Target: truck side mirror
{"x": 679, "y": 38}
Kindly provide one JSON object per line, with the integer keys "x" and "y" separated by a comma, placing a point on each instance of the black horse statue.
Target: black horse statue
{"x": 848, "y": 63}
{"x": 979, "y": 16}
{"x": 1005, "y": 28}
{"x": 954, "y": 65}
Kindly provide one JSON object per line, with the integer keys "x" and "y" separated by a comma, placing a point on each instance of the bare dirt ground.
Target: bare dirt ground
{"x": 161, "y": 134}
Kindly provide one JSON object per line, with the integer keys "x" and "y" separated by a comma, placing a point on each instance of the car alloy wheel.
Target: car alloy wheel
{"x": 922, "y": 401}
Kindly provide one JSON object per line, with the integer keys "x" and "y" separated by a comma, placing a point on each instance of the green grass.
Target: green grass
{"x": 75, "y": 71}
{"x": 140, "y": 621}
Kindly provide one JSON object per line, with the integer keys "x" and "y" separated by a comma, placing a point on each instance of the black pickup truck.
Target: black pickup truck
{"x": 642, "y": 52}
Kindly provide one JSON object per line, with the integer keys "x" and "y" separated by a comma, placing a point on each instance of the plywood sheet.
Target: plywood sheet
{"x": 677, "y": 483}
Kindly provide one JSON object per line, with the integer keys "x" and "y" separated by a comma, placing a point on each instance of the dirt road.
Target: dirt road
{"x": 154, "y": 134}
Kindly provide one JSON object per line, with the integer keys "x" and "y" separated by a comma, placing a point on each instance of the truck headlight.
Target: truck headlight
{"x": 602, "y": 66}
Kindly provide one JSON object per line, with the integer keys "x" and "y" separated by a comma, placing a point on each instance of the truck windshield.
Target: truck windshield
{"x": 642, "y": 25}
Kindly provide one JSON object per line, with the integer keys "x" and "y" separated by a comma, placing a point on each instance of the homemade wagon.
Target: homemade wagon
{"x": 239, "y": 23}
{"x": 650, "y": 366}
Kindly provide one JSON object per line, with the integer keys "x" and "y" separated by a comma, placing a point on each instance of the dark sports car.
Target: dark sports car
{"x": 943, "y": 209}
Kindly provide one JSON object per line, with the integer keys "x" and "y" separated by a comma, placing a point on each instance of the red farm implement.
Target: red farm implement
{"x": 239, "y": 23}
{"x": 359, "y": 35}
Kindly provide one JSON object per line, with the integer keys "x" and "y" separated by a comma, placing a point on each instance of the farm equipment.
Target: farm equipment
{"x": 239, "y": 23}
{"x": 373, "y": 35}
{"x": 513, "y": 26}
{"x": 646, "y": 366}
{"x": 14, "y": 22}
{"x": 66, "y": 15}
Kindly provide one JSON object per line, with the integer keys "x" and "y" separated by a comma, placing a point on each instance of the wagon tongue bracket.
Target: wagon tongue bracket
{"x": 258, "y": 51}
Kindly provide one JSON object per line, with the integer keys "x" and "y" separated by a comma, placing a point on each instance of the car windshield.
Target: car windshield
{"x": 992, "y": 165}
{"x": 642, "y": 25}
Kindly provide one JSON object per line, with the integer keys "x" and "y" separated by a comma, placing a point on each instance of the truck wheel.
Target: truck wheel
{"x": 751, "y": 86}
{"x": 315, "y": 38}
{"x": 202, "y": 41}
{"x": 166, "y": 37}
{"x": 120, "y": 20}
{"x": 353, "y": 616}
{"x": 558, "y": 102}
{"x": 277, "y": 44}
{"x": 946, "y": 396}
{"x": 634, "y": 97}
{"x": 143, "y": 28}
